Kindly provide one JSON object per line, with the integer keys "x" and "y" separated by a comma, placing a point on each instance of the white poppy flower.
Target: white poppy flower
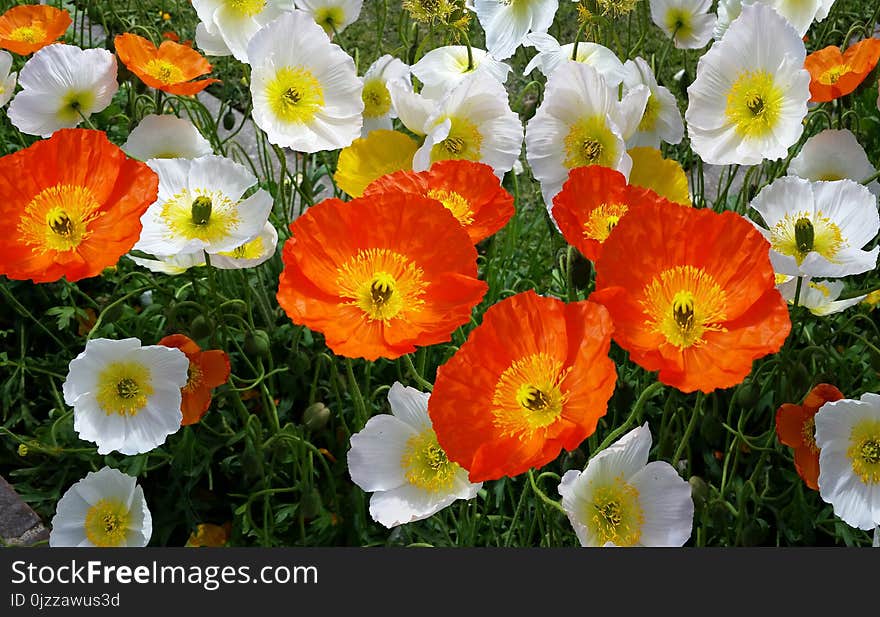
{"x": 7, "y": 79}
{"x": 230, "y": 24}
{"x": 834, "y": 155}
{"x": 728, "y": 10}
{"x": 250, "y": 254}
{"x": 551, "y": 54}
{"x": 165, "y": 137}
{"x": 378, "y": 105}
{"x": 507, "y": 23}
{"x": 441, "y": 69}
{"x": 473, "y": 122}
{"x": 661, "y": 120}
{"x": 750, "y": 94}
{"x": 61, "y": 84}
{"x": 687, "y": 22}
{"x": 171, "y": 264}
{"x": 818, "y": 228}
{"x": 306, "y": 92}
{"x": 800, "y": 13}
{"x": 580, "y": 123}
{"x": 200, "y": 207}
{"x": 396, "y": 457}
{"x": 332, "y": 15}
{"x": 106, "y": 508}
{"x": 848, "y": 436}
{"x": 621, "y": 499}
{"x": 126, "y": 397}
{"x": 820, "y": 297}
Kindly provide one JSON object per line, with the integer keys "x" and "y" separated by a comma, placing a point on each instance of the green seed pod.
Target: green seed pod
{"x": 310, "y": 505}
{"x": 315, "y": 416}
{"x": 229, "y": 121}
{"x": 699, "y": 491}
{"x": 201, "y": 327}
{"x": 748, "y": 394}
{"x": 256, "y": 343}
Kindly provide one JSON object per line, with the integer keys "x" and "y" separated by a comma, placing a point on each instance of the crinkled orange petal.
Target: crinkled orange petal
{"x": 790, "y": 420}
{"x": 51, "y": 21}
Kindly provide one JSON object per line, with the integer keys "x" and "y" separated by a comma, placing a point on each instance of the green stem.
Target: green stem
{"x": 355, "y": 391}
{"x": 421, "y": 381}
{"x": 543, "y": 496}
{"x": 698, "y": 408}
{"x": 646, "y": 394}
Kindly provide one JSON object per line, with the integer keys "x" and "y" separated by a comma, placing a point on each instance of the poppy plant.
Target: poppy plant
{"x": 470, "y": 190}
{"x": 591, "y": 203}
{"x": 207, "y": 370}
{"x": 796, "y": 428}
{"x": 834, "y": 74}
{"x": 371, "y": 275}
{"x": 171, "y": 67}
{"x": 532, "y": 379}
{"x": 70, "y": 206}
{"x": 692, "y": 294}
{"x": 28, "y": 28}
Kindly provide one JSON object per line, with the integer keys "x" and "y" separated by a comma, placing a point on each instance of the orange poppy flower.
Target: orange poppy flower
{"x": 70, "y": 206}
{"x": 834, "y": 74}
{"x": 379, "y": 275}
{"x": 169, "y": 68}
{"x": 28, "y": 28}
{"x": 692, "y": 294}
{"x": 470, "y": 190}
{"x": 592, "y": 202}
{"x": 207, "y": 370}
{"x": 532, "y": 379}
{"x": 796, "y": 427}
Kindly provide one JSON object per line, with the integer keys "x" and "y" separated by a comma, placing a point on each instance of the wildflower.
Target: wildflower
{"x": 306, "y": 96}
{"x": 201, "y": 207}
{"x": 7, "y": 79}
{"x": 687, "y": 22}
{"x": 368, "y": 158}
{"x": 70, "y": 206}
{"x": 106, "y": 508}
{"x": 126, "y": 397}
{"x": 818, "y": 228}
{"x": 62, "y": 85}
{"x": 551, "y": 54}
{"x": 692, "y": 294}
{"x": 469, "y": 190}
{"x": 372, "y": 277}
{"x": 165, "y": 137}
{"x": 580, "y": 123}
{"x": 227, "y": 26}
{"x": 661, "y": 120}
{"x": 663, "y": 176}
{"x": 207, "y": 370}
{"x": 621, "y": 499}
{"x": 534, "y": 377}
{"x": 848, "y": 437}
{"x": 378, "y": 106}
{"x": 171, "y": 67}
{"x": 28, "y": 28}
{"x": 443, "y": 68}
{"x": 796, "y": 428}
{"x": 332, "y": 15}
{"x": 833, "y": 155}
{"x": 507, "y": 23}
{"x": 591, "y": 203}
{"x": 820, "y": 297}
{"x": 834, "y": 74}
{"x": 396, "y": 457}
{"x": 750, "y": 94}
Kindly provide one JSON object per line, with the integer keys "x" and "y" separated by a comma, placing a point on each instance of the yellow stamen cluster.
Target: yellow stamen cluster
{"x": 455, "y": 203}
{"x": 864, "y": 451}
{"x": 295, "y": 95}
{"x": 123, "y": 388}
{"x": 107, "y": 523}
{"x": 808, "y": 432}
{"x": 427, "y": 11}
{"x": 797, "y": 234}
{"x": 201, "y": 214}
{"x": 426, "y": 464}
{"x": 615, "y": 514}
{"x": 602, "y": 220}
{"x": 385, "y": 285}
{"x": 590, "y": 142}
{"x": 528, "y": 396}
{"x": 833, "y": 75}
{"x": 464, "y": 142}
{"x": 754, "y": 104}
{"x": 58, "y": 218}
{"x": 246, "y": 8}
{"x": 164, "y": 71}
{"x": 377, "y": 99}
{"x": 28, "y": 34}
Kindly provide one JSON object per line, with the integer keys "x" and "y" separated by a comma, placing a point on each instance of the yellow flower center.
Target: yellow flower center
{"x": 649, "y": 117}
{"x": 249, "y": 250}
{"x": 615, "y": 514}
{"x": 377, "y": 99}
{"x": 164, "y": 71}
{"x": 329, "y": 17}
{"x": 800, "y": 233}
{"x": 864, "y": 450}
{"x": 680, "y": 22}
{"x": 295, "y": 95}
{"x": 833, "y": 75}
{"x": 426, "y": 464}
{"x": 808, "y": 432}
{"x": 682, "y": 304}
{"x": 602, "y": 220}
{"x": 58, "y": 218}
{"x": 463, "y": 142}
{"x": 123, "y": 388}
{"x": 193, "y": 377}
{"x": 203, "y": 215}
{"x": 245, "y": 8}
{"x": 75, "y": 104}
{"x": 107, "y": 523}
{"x": 455, "y": 203}
{"x": 28, "y": 34}
{"x": 831, "y": 177}
{"x": 590, "y": 142}
{"x": 754, "y": 104}
{"x": 528, "y": 396}
{"x": 385, "y": 285}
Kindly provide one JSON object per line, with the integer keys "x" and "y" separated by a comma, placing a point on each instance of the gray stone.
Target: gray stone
{"x": 19, "y": 524}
